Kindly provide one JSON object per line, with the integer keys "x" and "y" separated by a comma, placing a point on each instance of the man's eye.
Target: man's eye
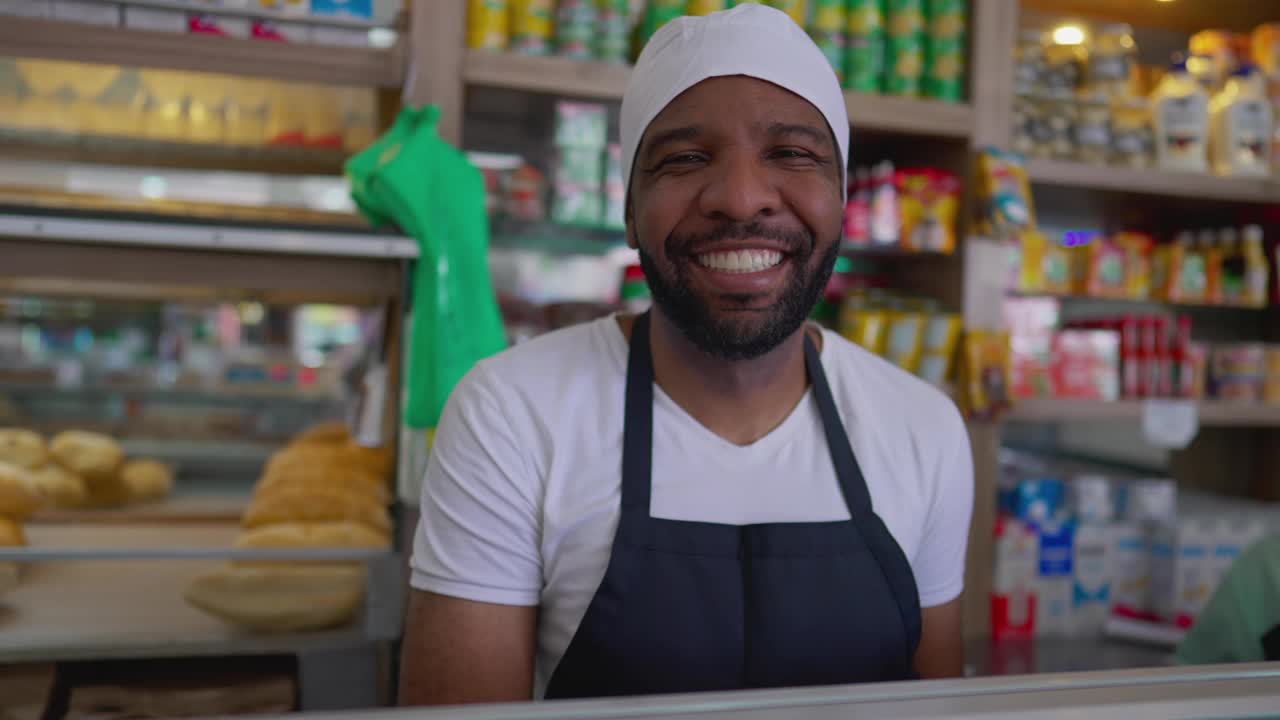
{"x": 791, "y": 154}
{"x": 685, "y": 158}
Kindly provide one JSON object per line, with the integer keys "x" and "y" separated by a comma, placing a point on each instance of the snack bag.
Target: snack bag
{"x": 928, "y": 201}
{"x": 1043, "y": 267}
{"x": 985, "y": 373}
{"x": 1005, "y": 194}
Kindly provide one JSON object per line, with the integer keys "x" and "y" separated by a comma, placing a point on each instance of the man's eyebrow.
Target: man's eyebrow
{"x": 676, "y": 134}
{"x": 809, "y": 131}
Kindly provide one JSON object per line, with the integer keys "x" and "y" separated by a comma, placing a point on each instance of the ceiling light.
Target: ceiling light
{"x": 1068, "y": 35}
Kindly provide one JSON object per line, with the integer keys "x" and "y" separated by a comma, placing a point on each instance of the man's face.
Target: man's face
{"x": 736, "y": 209}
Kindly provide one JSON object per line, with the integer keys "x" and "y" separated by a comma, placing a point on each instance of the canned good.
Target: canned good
{"x": 864, "y": 62}
{"x": 829, "y": 16}
{"x": 575, "y": 28}
{"x": 904, "y": 65}
{"x": 904, "y": 18}
{"x": 487, "y": 27}
{"x": 705, "y": 7}
{"x": 945, "y": 18}
{"x": 865, "y": 17}
{"x": 532, "y": 26}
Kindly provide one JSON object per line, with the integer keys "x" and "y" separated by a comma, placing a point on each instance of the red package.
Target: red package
{"x": 1086, "y": 365}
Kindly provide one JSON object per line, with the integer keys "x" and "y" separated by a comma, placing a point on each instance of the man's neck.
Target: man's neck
{"x": 739, "y": 400}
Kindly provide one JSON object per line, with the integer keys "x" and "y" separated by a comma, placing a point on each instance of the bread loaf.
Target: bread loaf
{"x": 22, "y": 448}
{"x": 11, "y": 534}
{"x": 341, "y": 534}
{"x": 96, "y": 458}
{"x": 146, "y": 479}
{"x": 301, "y": 474}
{"x": 327, "y": 433}
{"x": 108, "y": 492}
{"x": 59, "y": 487}
{"x": 18, "y": 497}
{"x": 280, "y": 597}
{"x": 314, "y": 505}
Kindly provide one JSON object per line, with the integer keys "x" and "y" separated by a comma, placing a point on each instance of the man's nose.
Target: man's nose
{"x": 739, "y": 189}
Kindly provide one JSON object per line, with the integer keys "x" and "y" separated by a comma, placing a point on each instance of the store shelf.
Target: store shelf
{"x": 58, "y": 40}
{"x": 905, "y": 116}
{"x": 1212, "y": 413}
{"x": 231, "y": 10}
{"x": 1149, "y": 302}
{"x": 1151, "y": 182}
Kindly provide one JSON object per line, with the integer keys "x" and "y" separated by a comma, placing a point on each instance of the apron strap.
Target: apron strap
{"x": 637, "y": 434}
{"x": 852, "y": 484}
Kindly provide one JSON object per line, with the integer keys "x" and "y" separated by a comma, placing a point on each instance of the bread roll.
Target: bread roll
{"x": 110, "y": 492}
{"x": 326, "y": 433}
{"x": 59, "y": 487}
{"x": 18, "y": 497}
{"x": 301, "y": 474}
{"x": 11, "y": 534}
{"x": 96, "y": 458}
{"x": 315, "y": 505}
{"x": 341, "y": 534}
{"x": 22, "y": 448}
{"x": 146, "y": 479}
{"x": 280, "y": 597}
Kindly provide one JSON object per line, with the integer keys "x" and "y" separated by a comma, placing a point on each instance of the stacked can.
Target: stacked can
{"x": 575, "y": 27}
{"x": 945, "y": 49}
{"x": 864, "y": 56}
{"x": 828, "y": 27}
{"x": 795, "y": 9}
{"x": 487, "y": 27}
{"x": 656, "y": 14}
{"x": 612, "y": 41}
{"x": 532, "y": 26}
{"x": 904, "y": 47}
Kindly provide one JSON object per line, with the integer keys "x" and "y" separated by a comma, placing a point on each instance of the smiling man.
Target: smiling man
{"x": 715, "y": 494}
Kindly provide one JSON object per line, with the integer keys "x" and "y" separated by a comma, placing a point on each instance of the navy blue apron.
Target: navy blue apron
{"x": 698, "y": 606}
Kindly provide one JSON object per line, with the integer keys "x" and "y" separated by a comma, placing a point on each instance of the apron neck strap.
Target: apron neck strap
{"x": 637, "y": 436}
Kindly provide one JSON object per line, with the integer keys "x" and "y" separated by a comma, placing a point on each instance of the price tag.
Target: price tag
{"x": 1171, "y": 424}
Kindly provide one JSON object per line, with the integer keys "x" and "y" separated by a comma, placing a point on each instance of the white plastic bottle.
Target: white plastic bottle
{"x": 1240, "y": 142}
{"x": 1180, "y": 116}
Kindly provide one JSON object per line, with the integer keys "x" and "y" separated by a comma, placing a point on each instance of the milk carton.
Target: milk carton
{"x": 1013, "y": 596}
{"x": 1055, "y": 578}
{"x": 1093, "y": 569}
{"x": 1131, "y": 574}
{"x": 1182, "y": 570}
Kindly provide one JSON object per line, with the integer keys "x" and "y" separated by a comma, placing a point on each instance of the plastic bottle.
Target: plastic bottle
{"x": 1229, "y": 259}
{"x": 885, "y": 222}
{"x": 1256, "y": 273}
{"x": 1180, "y": 117}
{"x": 1241, "y": 119}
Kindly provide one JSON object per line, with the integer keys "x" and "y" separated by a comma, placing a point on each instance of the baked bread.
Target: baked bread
{"x": 280, "y": 597}
{"x": 334, "y": 477}
{"x": 94, "y": 457}
{"x": 58, "y": 486}
{"x": 18, "y": 497}
{"x": 108, "y": 492}
{"x": 11, "y": 534}
{"x": 146, "y": 479}
{"x": 314, "y": 505}
{"x": 326, "y": 433}
{"x": 341, "y": 534}
{"x": 22, "y": 448}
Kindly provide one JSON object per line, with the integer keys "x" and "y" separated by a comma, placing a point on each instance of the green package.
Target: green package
{"x": 865, "y": 18}
{"x": 946, "y": 18}
{"x": 864, "y": 63}
{"x": 833, "y": 46}
{"x": 427, "y": 187}
{"x": 829, "y": 16}
{"x": 904, "y": 18}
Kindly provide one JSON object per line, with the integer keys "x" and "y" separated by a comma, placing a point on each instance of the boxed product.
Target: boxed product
{"x": 1237, "y": 371}
{"x": 1035, "y": 500}
{"x": 1181, "y": 570}
{"x": 1013, "y": 593}
{"x": 1056, "y": 577}
{"x": 581, "y": 124}
{"x": 1152, "y": 500}
{"x": 1092, "y": 570}
{"x": 1085, "y": 364}
{"x": 1100, "y": 270}
{"x": 1031, "y": 323}
{"x": 1131, "y": 578}
{"x": 1092, "y": 499}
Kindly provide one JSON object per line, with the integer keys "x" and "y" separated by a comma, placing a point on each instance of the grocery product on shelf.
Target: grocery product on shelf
{"x": 910, "y": 332}
{"x": 1180, "y": 118}
{"x": 945, "y": 49}
{"x": 985, "y": 373}
{"x": 904, "y": 47}
{"x": 18, "y": 499}
{"x": 865, "y": 57}
{"x": 1110, "y": 57}
{"x": 1004, "y": 192}
{"x": 94, "y": 457}
{"x": 532, "y": 26}
{"x": 929, "y": 200}
{"x": 1013, "y": 594}
{"x": 580, "y": 140}
{"x": 575, "y": 28}
{"x": 1241, "y": 121}
{"x": 23, "y": 448}
{"x": 1238, "y": 371}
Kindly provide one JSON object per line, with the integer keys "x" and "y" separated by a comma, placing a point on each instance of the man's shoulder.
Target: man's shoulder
{"x": 868, "y": 380}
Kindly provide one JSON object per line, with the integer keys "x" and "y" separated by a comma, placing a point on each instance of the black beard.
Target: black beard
{"x": 725, "y": 338}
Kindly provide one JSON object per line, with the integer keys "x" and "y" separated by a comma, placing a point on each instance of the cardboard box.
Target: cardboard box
{"x": 1131, "y": 578}
{"x": 1013, "y": 596}
{"x": 1182, "y": 570}
{"x": 1093, "y": 569}
{"x": 1055, "y": 578}
{"x": 1085, "y": 364}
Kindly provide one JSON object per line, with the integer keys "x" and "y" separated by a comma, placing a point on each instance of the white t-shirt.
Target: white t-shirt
{"x": 520, "y": 500}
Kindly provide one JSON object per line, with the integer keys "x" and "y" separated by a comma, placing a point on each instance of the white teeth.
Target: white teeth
{"x": 740, "y": 261}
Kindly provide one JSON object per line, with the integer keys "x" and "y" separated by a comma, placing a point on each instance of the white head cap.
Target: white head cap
{"x": 751, "y": 39}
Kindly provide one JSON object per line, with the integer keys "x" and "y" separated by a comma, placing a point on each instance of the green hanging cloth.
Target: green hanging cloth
{"x": 412, "y": 178}
{"x": 1242, "y": 619}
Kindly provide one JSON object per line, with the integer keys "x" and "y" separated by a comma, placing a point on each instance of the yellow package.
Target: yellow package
{"x": 864, "y": 326}
{"x": 359, "y": 117}
{"x": 207, "y": 108}
{"x": 934, "y": 368}
{"x": 985, "y": 373}
{"x": 941, "y": 332}
{"x": 287, "y": 118}
{"x": 53, "y": 104}
{"x": 1044, "y": 266}
{"x": 1005, "y": 192}
{"x": 488, "y": 25}
{"x": 1271, "y": 375}
{"x": 905, "y": 339}
{"x": 1266, "y": 48}
{"x": 928, "y": 202}
{"x": 166, "y": 117}
{"x": 1137, "y": 263}
{"x": 322, "y": 118}
{"x": 120, "y": 110}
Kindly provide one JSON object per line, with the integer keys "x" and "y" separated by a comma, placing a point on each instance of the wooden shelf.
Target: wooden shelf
{"x": 58, "y": 40}
{"x": 608, "y": 81}
{"x": 1213, "y": 413}
{"x": 1151, "y": 182}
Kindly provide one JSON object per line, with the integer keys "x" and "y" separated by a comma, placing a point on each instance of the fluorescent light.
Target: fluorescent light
{"x": 1068, "y": 35}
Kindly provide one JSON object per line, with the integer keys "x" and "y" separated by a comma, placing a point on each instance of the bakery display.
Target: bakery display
{"x": 11, "y": 535}
{"x": 59, "y": 487}
{"x": 22, "y": 448}
{"x": 18, "y": 498}
{"x": 321, "y": 491}
{"x": 146, "y": 479}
